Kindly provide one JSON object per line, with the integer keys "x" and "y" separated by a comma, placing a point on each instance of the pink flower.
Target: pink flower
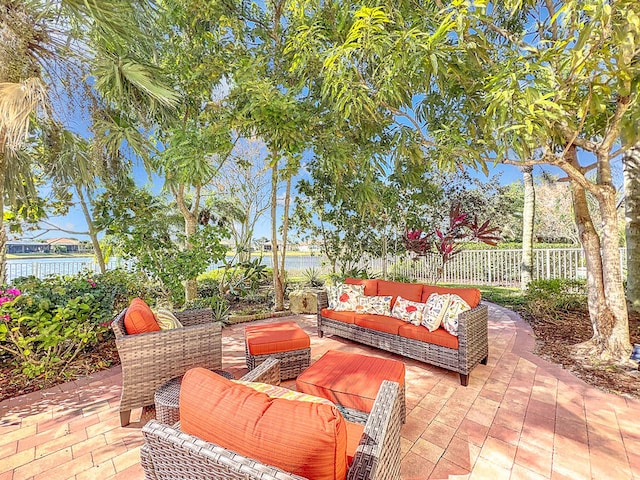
{"x": 6, "y": 318}
{"x": 4, "y": 300}
{"x": 14, "y": 291}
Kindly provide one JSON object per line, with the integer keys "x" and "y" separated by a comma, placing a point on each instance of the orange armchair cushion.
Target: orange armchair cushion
{"x": 303, "y": 438}
{"x": 139, "y": 318}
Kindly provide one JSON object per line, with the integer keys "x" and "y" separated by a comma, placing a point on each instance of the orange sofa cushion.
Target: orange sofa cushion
{"x": 370, "y": 285}
{"x": 139, "y": 318}
{"x": 409, "y": 291}
{"x": 276, "y": 337}
{"x": 303, "y": 438}
{"x": 381, "y": 323}
{"x": 349, "y": 379}
{"x": 346, "y": 317}
{"x": 469, "y": 295}
{"x": 438, "y": 337}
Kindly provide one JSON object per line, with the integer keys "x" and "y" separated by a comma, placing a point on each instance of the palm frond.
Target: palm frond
{"x": 17, "y": 102}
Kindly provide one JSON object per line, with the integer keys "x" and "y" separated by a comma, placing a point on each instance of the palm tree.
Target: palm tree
{"x": 43, "y": 48}
{"x": 631, "y": 165}
{"x": 528, "y": 213}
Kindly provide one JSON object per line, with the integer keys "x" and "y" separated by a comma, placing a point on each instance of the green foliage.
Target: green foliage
{"x": 312, "y": 277}
{"x": 218, "y": 305}
{"x": 143, "y": 229}
{"x": 548, "y": 297}
{"x": 244, "y": 278}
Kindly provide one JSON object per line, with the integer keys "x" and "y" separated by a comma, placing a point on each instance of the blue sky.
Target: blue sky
{"x": 75, "y": 220}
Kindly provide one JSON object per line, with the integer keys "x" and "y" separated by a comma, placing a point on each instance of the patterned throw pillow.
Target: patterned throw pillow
{"x": 377, "y": 305}
{"x": 408, "y": 311}
{"x": 166, "y": 319}
{"x": 348, "y": 297}
{"x": 435, "y": 310}
{"x": 450, "y": 320}
{"x": 332, "y": 295}
{"x": 275, "y": 391}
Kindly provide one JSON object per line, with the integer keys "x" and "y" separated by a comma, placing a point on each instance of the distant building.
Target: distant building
{"x": 26, "y": 246}
{"x": 63, "y": 245}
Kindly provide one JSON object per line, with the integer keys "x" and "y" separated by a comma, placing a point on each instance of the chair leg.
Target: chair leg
{"x": 125, "y": 418}
{"x": 484, "y": 360}
{"x": 464, "y": 380}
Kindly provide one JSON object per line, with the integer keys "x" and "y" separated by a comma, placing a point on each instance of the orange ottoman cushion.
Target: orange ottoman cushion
{"x": 349, "y": 379}
{"x": 139, "y": 318}
{"x": 276, "y": 337}
{"x": 303, "y": 438}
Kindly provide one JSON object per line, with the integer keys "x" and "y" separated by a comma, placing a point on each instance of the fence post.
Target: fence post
{"x": 548, "y": 258}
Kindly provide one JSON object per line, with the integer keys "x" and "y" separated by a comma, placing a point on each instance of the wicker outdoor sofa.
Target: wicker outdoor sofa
{"x": 168, "y": 453}
{"x": 150, "y": 359}
{"x": 472, "y": 340}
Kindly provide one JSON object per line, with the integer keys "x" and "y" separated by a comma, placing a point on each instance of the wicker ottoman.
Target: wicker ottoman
{"x": 352, "y": 381}
{"x": 167, "y": 399}
{"x": 285, "y": 341}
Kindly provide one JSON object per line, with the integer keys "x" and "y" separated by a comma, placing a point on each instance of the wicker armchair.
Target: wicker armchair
{"x": 150, "y": 359}
{"x": 169, "y": 453}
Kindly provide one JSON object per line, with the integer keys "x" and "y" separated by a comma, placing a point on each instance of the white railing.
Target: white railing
{"x": 492, "y": 267}
{"x": 478, "y": 267}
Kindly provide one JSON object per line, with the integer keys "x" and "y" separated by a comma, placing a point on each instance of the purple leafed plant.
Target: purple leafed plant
{"x": 448, "y": 242}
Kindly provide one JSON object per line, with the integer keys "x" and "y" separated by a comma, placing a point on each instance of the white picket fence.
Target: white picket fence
{"x": 491, "y": 267}
{"x": 476, "y": 267}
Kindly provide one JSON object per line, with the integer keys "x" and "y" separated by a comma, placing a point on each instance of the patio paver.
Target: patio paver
{"x": 521, "y": 417}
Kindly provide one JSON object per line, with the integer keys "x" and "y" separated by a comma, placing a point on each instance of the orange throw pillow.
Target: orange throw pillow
{"x": 303, "y": 438}
{"x": 139, "y": 318}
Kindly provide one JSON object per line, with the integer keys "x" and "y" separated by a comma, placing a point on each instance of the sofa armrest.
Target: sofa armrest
{"x": 168, "y": 453}
{"x": 267, "y": 372}
{"x": 378, "y": 454}
{"x": 322, "y": 300}
{"x": 473, "y": 336}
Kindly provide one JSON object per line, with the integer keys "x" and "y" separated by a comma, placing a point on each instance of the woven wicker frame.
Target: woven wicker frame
{"x": 169, "y": 454}
{"x": 150, "y": 359}
{"x": 292, "y": 362}
{"x": 473, "y": 340}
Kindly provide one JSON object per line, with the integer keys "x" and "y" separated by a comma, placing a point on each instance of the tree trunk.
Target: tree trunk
{"x": 605, "y": 293}
{"x": 93, "y": 232}
{"x": 285, "y": 236}
{"x": 631, "y": 164}
{"x": 528, "y": 217}
{"x": 190, "y": 284}
{"x": 278, "y": 287}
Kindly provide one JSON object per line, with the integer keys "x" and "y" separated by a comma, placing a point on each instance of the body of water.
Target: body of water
{"x": 43, "y": 267}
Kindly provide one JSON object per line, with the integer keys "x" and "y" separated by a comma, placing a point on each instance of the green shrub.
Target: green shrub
{"x": 47, "y": 323}
{"x": 548, "y": 297}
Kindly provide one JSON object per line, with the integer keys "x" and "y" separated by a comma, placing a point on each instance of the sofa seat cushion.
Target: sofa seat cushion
{"x": 275, "y": 338}
{"x": 139, "y": 318}
{"x": 381, "y": 323}
{"x": 470, "y": 295}
{"x": 438, "y": 337}
{"x": 349, "y": 379}
{"x": 345, "y": 317}
{"x": 370, "y": 285}
{"x": 303, "y": 438}
{"x": 409, "y": 291}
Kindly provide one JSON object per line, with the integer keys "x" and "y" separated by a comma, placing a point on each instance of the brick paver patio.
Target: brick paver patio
{"x": 520, "y": 418}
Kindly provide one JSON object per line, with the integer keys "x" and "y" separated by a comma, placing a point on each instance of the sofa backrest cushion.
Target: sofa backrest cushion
{"x": 303, "y": 438}
{"x": 370, "y": 285}
{"x": 408, "y": 291}
{"x": 470, "y": 295}
{"x": 139, "y": 318}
